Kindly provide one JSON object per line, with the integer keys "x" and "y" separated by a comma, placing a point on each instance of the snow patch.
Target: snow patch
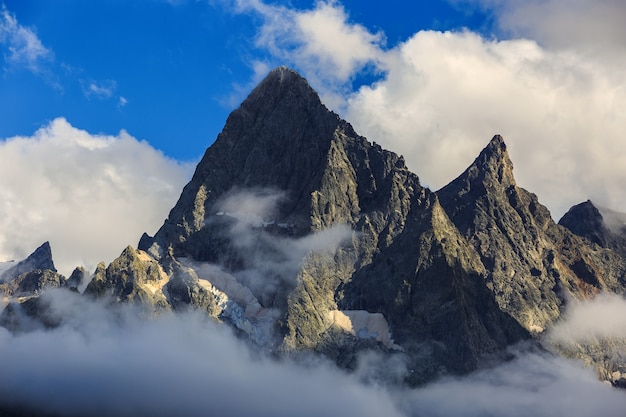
{"x": 364, "y": 325}
{"x": 237, "y": 302}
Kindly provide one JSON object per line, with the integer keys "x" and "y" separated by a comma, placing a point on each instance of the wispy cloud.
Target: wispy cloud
{"x": 100, "y": 90}
{"x": 23, "y": 47}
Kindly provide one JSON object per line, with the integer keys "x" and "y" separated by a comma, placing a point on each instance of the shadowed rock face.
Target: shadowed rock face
{"x": 405, "y": 258}
{"x": 294, "y": 229}
{"x": 41, "y": 259}
{"x": 601, "y": 226}
{"x": 32, "y": 275}
{"x": 532, "y": 264}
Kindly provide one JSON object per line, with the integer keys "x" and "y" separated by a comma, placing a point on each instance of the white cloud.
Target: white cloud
{"x": 102, "y": 90}
{"x": 89, "y": 195}
{"x": 23, "y": 45}
{"x": 444, "y": 95}
{"x": 595, "y": 26}
{"x": 105, "y": 361}
{"x": 602, "y": 317}
{"x": 534, "y": 383}
{"x": 325, "y": 46}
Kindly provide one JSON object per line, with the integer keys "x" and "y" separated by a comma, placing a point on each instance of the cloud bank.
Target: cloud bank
{"x": 440, "y": 96}
{"x": 105, "y": 361}
{"x": 89, "y": 195}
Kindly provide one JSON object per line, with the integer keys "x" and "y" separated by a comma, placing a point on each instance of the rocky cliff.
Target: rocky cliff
{"x": 303, "y": 236}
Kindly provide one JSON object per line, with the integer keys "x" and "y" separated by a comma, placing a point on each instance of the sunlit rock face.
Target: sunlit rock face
{"x": 305, "y": 237}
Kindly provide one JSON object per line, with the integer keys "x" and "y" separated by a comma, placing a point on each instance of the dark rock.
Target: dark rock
{"x": 601, "y": 226}
{"x": 531, "y": 262}
{"x": 40, "y": 259}
{"x": 77, "y": 278}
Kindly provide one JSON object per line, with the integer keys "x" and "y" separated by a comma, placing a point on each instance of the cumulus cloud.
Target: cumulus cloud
{"x": 89, "y": 195}
{"x": 446, "y": 94}
{"x": 321, "y": 39}
{"x": 442, "y": 95}
{"x": 106, "y": 360}
{"x": 23, "y": 46}
{"x": 596, "y": 26}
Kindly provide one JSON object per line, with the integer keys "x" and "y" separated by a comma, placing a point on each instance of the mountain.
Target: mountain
{"x": 602, "y": 226}
{"x": 305, "y": 237}
{"x": 41, "y": 258}
{"x": 533, "y": 264}
{"x": 32, "y": 274}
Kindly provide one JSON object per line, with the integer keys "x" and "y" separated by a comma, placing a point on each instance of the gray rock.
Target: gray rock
{"x": 40, "y": 259}
{"x": 601, "y": 226}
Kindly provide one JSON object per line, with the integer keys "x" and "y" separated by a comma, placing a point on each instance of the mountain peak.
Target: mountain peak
{"x": 284, "y": 73}
{"x": 492, "y": 170}
{"x": 600, "y": 225}
{"x": 41, "y": 258}
{"x": 494, "y": 162}
{"x": 280, "y": 85}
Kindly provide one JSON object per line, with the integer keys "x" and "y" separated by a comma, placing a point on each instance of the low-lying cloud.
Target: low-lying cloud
{"x": 270, "y": 256}
{"x": 602, "y": 317}
{"x": 105, "y": 360}
{"x": 89, "y": 195}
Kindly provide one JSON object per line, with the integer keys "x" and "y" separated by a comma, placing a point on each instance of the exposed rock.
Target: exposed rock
{"x": 77, "y": 278}
{"x": 531, "y": 262}
{"x": 304, "y": 237}
{"x": 604, "y": 227}
{"x": 40, "y": 259}
{"x": 429, "y": 284}
{"x": 405, "y": 260}
{"x": 133, "y": 276}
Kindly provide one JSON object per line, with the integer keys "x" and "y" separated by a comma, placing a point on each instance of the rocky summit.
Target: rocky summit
{"x": 303, "y": 236}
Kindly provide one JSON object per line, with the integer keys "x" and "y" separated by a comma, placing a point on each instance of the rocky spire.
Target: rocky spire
{"x": 600, "y": 225}
{"x": 585, "y": 220}
{"x": 41, "y": 259}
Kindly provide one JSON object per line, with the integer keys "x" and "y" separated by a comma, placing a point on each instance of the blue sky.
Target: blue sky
{"x": 164, "y": 71}
{"x": 108, "y": 104}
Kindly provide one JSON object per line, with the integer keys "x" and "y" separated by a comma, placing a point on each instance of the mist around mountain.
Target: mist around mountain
{"x": 306, "y": 271}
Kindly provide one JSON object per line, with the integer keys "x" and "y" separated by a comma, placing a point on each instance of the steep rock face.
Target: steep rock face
{"x": 530, "y": 260}
{"x": 283, "y": 145}
{"x": 430, "y": 285}
{"x": 278, "y": 138}
{"x": 402, "y": 258}
{"x": 41, "y": 259}
{"x": 33, "y": 282}
{"x": 303, "y": 236}
{"x": 32, "y": 275}
{"x": 133, "y": 276}
{"x": 604, "y": 227}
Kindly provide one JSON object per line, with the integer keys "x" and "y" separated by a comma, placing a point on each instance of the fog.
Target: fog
{"x": 106, "y": 360}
